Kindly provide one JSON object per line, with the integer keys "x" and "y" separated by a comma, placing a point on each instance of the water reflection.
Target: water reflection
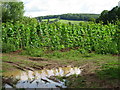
{"x": 42, "y": 78}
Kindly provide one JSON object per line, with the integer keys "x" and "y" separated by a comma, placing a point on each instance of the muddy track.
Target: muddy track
{"x": 19, "y": 66}
{"x": 37, "y": 59}
{"x": 32, "y": 67}
{"x": 47, "y": 64}
{"x": 41, "y": 60}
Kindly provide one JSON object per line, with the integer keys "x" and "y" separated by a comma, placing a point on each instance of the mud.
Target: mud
{"x": 39, "y": 78}
{"x": 37, "y": 59}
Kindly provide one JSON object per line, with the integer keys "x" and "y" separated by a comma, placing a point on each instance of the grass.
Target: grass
{"x": 17, "y": 60}
{"x": 49, "y": 19}
{"x": 70, "y": 56}
{"x": 64, "y": 21}
{"x": 74, "y": 55}
{"x": 98, "y": 70}
{"x": 105, "y": 78}
{"x": 110, "y": 71}
{"x": 72, "y": 21}
{"x": 35, "y": 52}
{"x": 7, "y": 67}
{"x": 20, "y": 61}
{"x": 104, "y": 67}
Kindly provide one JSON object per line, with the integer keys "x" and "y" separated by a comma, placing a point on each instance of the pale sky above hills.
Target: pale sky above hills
{"x": 35, "y": 8}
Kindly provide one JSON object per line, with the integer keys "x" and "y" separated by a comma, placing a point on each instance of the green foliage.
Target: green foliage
{"x": 8, "y": 47}
{"x": 110, "y": 16}
{"x": 88, "y": 37}
{"x": 70, "y": 16}
{"x": 28, "y": 20}
{"x": 36, "y": 52}
{"x": 12, "y": 11}
{"x": 110, "y": 71}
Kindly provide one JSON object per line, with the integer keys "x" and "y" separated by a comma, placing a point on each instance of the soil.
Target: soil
{"x": 37, "y": 59}
{"x": 87, "y": 69}
{"x": 16, "y": 52}
{"x": 21, "y": 66}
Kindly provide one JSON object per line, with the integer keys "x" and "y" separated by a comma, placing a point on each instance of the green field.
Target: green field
{"x": 87, "y": 37}
{"x": 91, "y": 46}
{"x": 39, "y": 53}
{"x": 65, "y": 21}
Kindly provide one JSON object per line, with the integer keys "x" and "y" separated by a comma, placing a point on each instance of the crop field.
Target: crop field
{"x": 87, "y": 37}
{"x": 70, "y": 21}
{"x": 64, "y": 21}
{"x": 61, "y": 51}
{"x": 35, "y": 46}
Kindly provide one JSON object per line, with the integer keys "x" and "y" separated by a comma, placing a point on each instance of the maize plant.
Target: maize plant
{"x": 88, "y": 37}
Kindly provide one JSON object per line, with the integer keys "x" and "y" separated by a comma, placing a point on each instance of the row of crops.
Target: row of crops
{"x": 87, "y": 36}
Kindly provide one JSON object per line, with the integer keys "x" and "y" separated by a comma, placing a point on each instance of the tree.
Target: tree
{"x": 110, "y": 16}
{"x": 12, "y": 11}
{"x": 92, "y": 19}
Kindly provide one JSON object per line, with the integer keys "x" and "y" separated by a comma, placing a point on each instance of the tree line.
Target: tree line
{"x": 110, "y": 16}
{"x": 14, "y": 11}
{"x": 70, "y": 16}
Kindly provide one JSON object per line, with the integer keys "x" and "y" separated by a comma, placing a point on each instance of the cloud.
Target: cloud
{"x": 119, "y": 4}
{"x": 51, "y": 7}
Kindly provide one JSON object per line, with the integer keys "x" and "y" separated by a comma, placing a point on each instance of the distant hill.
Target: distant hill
{"x": 70, "y": 16}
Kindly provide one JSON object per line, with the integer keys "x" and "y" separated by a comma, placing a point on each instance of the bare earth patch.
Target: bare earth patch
{"x": 37, "y": 63}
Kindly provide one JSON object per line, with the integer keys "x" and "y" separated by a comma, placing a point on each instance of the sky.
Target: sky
{"x": 34, "y": 8}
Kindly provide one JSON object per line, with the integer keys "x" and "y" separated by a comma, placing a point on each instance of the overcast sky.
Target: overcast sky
{"x": 35, "y": 8}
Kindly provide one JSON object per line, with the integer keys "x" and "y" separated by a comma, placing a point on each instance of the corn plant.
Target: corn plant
{"x": 88, "y": 37}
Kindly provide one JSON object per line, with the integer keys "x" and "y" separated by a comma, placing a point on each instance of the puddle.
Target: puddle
{"x": 41, "y": 78}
